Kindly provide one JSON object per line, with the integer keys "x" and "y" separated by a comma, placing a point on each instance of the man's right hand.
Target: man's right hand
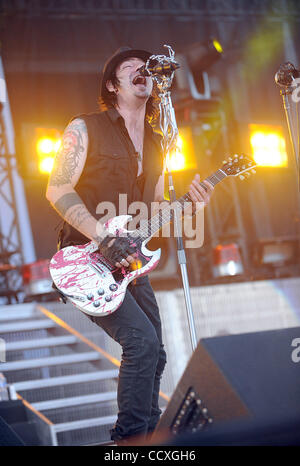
{"x": 118, "y": 250}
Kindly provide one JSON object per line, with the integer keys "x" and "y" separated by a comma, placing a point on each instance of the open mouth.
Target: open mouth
{"x": 139, "y": 80}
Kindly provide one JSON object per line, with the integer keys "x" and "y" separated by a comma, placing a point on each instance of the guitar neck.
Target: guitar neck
{"x": 165, "y": 215}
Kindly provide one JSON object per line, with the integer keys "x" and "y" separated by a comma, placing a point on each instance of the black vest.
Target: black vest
{"x": 111, "y": 167}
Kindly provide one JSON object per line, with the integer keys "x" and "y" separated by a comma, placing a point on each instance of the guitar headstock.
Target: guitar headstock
{"x": 238, "y": 165}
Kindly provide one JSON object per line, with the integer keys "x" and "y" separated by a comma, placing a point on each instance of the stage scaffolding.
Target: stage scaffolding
{"x": 16, "y": 245}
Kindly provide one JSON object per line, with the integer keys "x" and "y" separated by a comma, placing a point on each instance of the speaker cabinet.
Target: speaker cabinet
{"x": 251, "y": 375}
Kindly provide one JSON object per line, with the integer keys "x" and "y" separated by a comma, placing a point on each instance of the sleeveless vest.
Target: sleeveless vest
{"x": 111, "y": 168}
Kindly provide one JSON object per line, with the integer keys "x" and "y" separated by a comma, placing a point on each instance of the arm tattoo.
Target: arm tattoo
{"x": 77, "y": 215}
{"x": 72, "y": 209}
{"x": 66, "y": 201}
{"x": 69, "y": 155}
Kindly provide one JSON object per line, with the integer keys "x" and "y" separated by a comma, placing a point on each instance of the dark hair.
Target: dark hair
{"x": 109, "y": 99}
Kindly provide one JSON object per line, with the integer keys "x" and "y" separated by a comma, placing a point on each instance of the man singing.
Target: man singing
{"x": 105, "y": 154}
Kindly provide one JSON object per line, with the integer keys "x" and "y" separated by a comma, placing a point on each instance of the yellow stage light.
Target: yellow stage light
{"x": 46, "y": 164}
{"x": 48, "y": 141}
{"x": 45, "y": 146}
{"x": 218, "y": 46}
{"x": 177, "y": 161}
{"x": 183, "y": 157}
{"x": 177, "y": 157}
{"x": 268, "y": 146}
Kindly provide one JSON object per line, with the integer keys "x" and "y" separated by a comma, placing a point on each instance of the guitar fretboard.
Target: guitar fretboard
{"x": 164, "y": 216}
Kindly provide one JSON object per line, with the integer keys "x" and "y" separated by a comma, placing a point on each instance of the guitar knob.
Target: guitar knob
{"x": 113, "y": 287}
{"x": 100, "y": 292}
{"x": 96, "y": 303}
{"x": 108, "y": 298}
{"x": 90, "y": 296}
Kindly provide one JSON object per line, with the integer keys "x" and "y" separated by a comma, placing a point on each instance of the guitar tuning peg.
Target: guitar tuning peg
{"x": 253, "y": 171}
{"x": 241, "y": 177}
{"x": 229, "y": 158}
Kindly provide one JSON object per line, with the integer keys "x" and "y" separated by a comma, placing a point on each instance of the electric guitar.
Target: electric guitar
{"x": 85, "y": 278}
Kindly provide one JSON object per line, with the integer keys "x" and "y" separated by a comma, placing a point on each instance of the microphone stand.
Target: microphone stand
{"x": 285, "y": 77}
{"x": 292, "y": 127}
{"x": 169, "y": 130}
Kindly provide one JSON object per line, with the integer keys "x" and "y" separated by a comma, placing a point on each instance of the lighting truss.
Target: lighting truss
{"x": 11, "y": 257}
{"x": 231, "y": 9}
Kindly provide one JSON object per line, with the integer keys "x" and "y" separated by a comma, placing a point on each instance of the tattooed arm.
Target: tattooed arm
{"x": 68, "y": 166}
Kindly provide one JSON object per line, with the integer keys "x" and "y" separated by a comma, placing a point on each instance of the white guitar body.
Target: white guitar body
{"x": 89, "y": 282}
{"x": 96, "y": 287}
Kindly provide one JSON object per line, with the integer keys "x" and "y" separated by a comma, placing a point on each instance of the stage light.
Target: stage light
{"x": 36, "y": 149}
{"x": 48, "y": 141}
{"x": 202, "y": 56}
{"x": 191, "y": 79}
{"x": 183, "y": 157}
{"x": 268, "y": 145}
{"x": 44, "y": 146}
{"x": 177, "y": 160}
{"x": 227, "y": 261}
{"x": 217, "y": 46}
{"x": 46, "y": 165}
{"x": 47, "y": 146}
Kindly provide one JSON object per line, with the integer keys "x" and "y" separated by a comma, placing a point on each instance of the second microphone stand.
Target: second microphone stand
{"x": 287, "y": 77}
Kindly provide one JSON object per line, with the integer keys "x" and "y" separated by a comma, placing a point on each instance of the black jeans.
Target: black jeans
{"x": 136, "y": 326}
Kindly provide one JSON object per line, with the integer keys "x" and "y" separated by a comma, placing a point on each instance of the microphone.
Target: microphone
{"x": 159, "y": 68}
{"x": 286, "y": 74}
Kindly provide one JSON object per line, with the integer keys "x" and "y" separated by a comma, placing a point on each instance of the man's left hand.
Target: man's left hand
{"x": 199, "y": 193}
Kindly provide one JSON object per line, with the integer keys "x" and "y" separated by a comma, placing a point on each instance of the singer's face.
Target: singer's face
{"x": 131, "y": 83}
